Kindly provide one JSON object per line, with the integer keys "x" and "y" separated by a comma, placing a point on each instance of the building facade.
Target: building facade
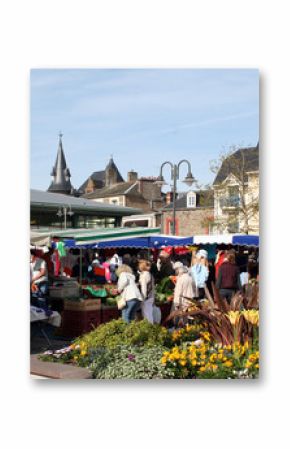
{"x": 236, "y": 193}
{"x": 194, "y": 213}
{"x": 109, "y": 187}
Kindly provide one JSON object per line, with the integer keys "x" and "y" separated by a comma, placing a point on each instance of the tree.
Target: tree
{"x": 236, "y": 189}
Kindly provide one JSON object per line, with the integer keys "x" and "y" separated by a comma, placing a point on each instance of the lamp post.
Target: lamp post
{"x": 189, "y": 180}
{"x": 64, "y": 211}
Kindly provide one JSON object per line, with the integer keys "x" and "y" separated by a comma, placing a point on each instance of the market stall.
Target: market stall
{"x": 87, "y": 303}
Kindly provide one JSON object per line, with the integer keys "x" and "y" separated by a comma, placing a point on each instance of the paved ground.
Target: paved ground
{"x": 38, "y": 342}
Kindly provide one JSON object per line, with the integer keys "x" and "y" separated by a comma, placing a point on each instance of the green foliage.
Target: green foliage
{"x": 118, "y": 333}
{"x": 163, "y": 290}
{"x": 130, "y": 362}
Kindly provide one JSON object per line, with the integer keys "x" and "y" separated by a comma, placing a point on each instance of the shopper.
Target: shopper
{"x": 129, "y": 291}
{"x": 184, "y": 287}
{"x": 200, "y": 272}
{"x": 228, "y": 281}
{"x": 164, "y": 265}
{"x": 146, "y": 282}
{"x": 38, "y": 278}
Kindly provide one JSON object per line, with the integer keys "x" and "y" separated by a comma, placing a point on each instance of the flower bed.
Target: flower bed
{"x": 141, "y": 350}
{"x": 204, "y": 360}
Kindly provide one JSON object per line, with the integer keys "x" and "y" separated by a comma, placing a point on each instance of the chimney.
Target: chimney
{"x": 132, "y": 176}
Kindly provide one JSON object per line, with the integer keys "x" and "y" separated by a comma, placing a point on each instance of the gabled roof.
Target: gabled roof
{"x": 130, "y": 189}
{"x": 233, "y": 163}
{"x": 98, "y": 178}
{"x": 60, "y": 172}
{"x": 111, "y": 165}
{"x": 204, "y": 198}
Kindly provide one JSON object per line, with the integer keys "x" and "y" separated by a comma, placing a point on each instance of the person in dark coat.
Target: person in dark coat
{"x": 228, "y": 281}
{"x": 164, "y": 266}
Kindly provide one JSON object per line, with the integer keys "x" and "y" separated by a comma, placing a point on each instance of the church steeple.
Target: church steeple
{"x": 60, "y": 173}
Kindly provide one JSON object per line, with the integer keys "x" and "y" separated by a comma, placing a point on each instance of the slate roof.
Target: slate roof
{"x": 99, "y": 180}
{"x": 204, "y": 198}
{"x": 47, "y": 200}
{"x": 117, "y": 189}
{"x": 112, "y": 165}
{"x": 232, "y": 163}
{"x": 60, "y": 172}
{"x": 99, "y": 177}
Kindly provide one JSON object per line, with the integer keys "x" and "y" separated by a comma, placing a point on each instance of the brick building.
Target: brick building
{"x": 108, "y": 186}
{"x": 194, "y": 213}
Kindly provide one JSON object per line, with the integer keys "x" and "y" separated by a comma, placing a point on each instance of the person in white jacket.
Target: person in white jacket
{"x": 184, "y": 288}
{"x": 146, "y": 282}
{"x": 129, "y": 292}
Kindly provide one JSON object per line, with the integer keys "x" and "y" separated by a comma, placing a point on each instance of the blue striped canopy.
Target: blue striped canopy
{"x": 156, "y": 241}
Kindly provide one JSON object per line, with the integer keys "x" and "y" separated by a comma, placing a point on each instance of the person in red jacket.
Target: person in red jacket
{"x": 219, "y": 260}
{"x": 228, "y": 281}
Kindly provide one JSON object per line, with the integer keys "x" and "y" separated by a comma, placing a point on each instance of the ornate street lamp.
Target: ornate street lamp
{"x": 188, "y": 180}
{"x": 64, "y": 211}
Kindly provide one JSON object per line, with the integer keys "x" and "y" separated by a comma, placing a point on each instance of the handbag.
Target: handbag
{"x": 121, "y": 303}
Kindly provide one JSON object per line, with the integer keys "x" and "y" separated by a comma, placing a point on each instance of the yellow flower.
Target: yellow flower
{"x": 248, "y": 364}
{"x": 182, "y": 362}
{"x": 83, "y": 353}
{"x": 257, "y": 366}
{"x": 252, "y": 316}
{"x": 228, "y": 363}
{"x": 163, "y": 360}
{"x": 202, "y": 368}
{"x": 205, "y": 335}
{"x": 252, "y": 358}
{"x": 234, "y": 317}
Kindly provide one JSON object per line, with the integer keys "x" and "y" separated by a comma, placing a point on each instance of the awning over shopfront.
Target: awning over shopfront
{"x": 227, "y": 239}
{"x": 89, "y": 237}
{"x": 153, "y": 241}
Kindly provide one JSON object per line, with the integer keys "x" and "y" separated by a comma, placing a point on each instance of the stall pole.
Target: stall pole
{"x": 81, "y": 266}
{"x": 148, "y": 248}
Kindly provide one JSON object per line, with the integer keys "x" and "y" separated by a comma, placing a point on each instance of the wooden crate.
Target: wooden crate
{"x": 109, "y": 313}
{"x": 78, "y": 322}
{"x": 88, "y": 304}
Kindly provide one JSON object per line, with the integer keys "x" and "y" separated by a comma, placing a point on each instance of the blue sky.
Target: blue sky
{"x": 140, "y": 116}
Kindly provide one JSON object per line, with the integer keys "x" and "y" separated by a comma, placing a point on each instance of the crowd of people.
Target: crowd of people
{"x": 136, "y": 275}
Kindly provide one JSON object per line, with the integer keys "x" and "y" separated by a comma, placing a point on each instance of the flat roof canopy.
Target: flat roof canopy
{"x": 40, "y": 200}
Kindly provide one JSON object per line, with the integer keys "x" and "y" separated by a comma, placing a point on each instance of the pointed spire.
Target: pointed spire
{"x": 60, "y": 172}
{"x": 112, "y": 174}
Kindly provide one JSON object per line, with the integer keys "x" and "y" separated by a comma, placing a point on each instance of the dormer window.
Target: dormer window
{"x": 191, "y": 199}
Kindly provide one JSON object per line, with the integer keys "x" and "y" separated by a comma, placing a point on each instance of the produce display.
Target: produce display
{"x": 164, "y": 290}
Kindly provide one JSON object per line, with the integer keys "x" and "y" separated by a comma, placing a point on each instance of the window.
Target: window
{"x": 233, "y": 224}
{"x": 191, "y": 199}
